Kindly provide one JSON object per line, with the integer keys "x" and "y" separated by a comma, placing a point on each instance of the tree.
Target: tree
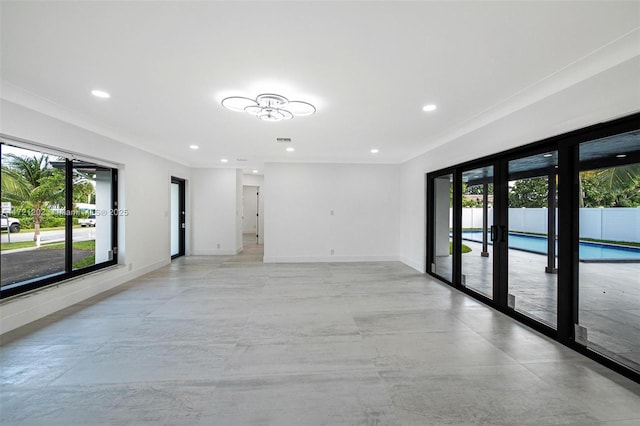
{"x": 83, "y": 191}
{"x": 612, "y": 187}
{"x": 529, "y": 193}
{"x": 34, "y": 183}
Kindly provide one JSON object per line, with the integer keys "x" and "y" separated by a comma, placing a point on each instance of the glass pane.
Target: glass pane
{"x": 175, "y": 219}
{"x": 33, "y": 218}
{"x": 477, "y": 218}
{"x": 609, "y": 268}
{"x": 93, "y": 209}
{"x": 443, "y": 226}
{"x": 532, "y": 241}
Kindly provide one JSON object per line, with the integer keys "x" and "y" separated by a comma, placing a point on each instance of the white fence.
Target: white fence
{"x": 614, "y": 224}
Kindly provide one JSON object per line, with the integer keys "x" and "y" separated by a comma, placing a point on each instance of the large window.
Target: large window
{"x": 549, "y": 233}
{"x": 58, "y": 217}
{"x": 609, "y": 267}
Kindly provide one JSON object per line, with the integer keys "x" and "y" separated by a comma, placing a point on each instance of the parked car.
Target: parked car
{"x": 12, "y": 223}
{"x": 90, "y": 221}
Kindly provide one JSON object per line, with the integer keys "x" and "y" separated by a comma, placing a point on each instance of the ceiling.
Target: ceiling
{"x": 368, "y": 67}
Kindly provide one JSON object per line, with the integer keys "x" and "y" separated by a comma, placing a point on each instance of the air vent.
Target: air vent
{"x": 283, "y": 140}
{"x": 241, "y": 159}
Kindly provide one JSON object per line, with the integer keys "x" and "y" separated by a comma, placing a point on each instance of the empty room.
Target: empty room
{"x": 320, "y": 212}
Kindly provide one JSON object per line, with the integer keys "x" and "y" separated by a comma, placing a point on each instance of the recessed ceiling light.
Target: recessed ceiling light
{"x": 194, "y": 146}
{"x": 224, "y": 160}
{"x": 255, "y": 171}
{"x": 290, "y": 149}
{"x": 100, "y": 94}
{"x": 375, "y": 151}
{"x": 429, "y": 108}
{"x": 621, "y": 155}
{"x": 548, "y": 155}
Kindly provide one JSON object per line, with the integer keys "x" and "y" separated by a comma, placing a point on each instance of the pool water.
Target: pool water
{"x": 588, "y": 250}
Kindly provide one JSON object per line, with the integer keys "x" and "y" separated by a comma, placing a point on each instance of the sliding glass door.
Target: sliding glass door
{"x": 609, "y": 248}
{"x": 532, "y": 237}
{"x": 478, "y": 232}
{"x": 549, "y": 233}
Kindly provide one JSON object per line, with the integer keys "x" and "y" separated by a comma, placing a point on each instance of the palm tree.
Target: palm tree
{"x": 623, "y": 182}
{"x": 33, "y": 182}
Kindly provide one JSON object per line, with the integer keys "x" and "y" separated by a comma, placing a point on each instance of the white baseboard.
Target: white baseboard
{"x": 215, "y": 252}
{"x": 329, "y": 259}
{"x": 417, "y": 265}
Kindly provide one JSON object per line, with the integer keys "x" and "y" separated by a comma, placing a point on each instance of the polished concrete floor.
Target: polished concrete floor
{"x": 233, "y": 341}
{"x": 609, "y": 298}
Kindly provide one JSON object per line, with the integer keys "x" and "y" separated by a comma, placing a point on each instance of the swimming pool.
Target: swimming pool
{"x": 588, "y": 251}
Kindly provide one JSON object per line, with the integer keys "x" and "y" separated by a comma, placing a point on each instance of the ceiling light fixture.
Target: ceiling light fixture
{"x": 269, "y": 107}
{"x": 290, "y": 149}
{"x": 255, "y": 171}
{"x": 375, "y": 151}
{"x": 224, "y": 160}
{"x": 548, "y": 155}
{"x": 100, "y": 94}
{"x": 194, "y": 146}
{"x": 621, "y": 155}
{"x": 429, "y": 108}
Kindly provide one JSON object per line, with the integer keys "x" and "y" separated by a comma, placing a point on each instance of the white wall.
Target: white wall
{"x": 610, "y": 92}
{"x": 300, "y": 199}
{"x": 215, "y": 212}
{"x": 143, "y": 235}
{"x": 238, "y": 218}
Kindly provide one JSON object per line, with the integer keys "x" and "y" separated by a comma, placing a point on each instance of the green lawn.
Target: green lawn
{"x": 78, "y": 245}
{"x": 17, "y": 245}
{"x": 465, "y": 248}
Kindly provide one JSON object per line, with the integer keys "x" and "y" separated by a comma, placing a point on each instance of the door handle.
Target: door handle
{"x": 494, "y": 233}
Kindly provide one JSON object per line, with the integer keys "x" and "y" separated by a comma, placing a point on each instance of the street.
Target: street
{"x": 79, "y": 234}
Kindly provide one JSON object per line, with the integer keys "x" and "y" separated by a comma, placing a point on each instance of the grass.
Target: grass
{"x": 78, "y": 245}
{"x": 85, "y": 261}
{"x": 89, "y": 245}
{"x": 465, "y": 248}
{"x": 17, "y": 245}
{"x": 617, "y": 243}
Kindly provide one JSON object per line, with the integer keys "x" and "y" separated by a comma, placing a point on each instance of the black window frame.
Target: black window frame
{"x": 567, "y": 145}
{"x": 22, "y": 287}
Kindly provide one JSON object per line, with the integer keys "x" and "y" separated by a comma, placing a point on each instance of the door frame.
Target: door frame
{"x": 182, "y": 224}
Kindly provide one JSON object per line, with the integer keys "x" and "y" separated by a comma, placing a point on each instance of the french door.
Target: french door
{"x": 495, "y": 229}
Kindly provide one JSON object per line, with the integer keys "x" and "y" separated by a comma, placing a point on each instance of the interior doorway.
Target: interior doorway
{"x": 251, "y": 217}
{"x": 177, "y": 217}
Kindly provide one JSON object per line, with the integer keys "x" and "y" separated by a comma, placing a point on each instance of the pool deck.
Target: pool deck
{"x": 609, "y": 296}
